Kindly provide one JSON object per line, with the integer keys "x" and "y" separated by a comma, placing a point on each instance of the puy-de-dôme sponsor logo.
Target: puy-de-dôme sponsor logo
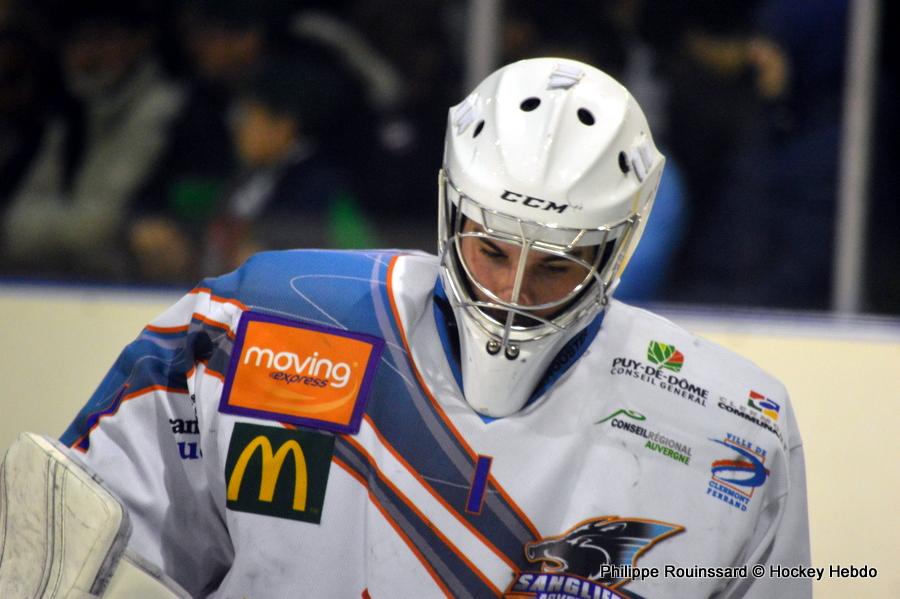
{"x": 663, "y": 361}
{"x": 759, "y": 409}
{"x": 627, "y": 420}
{"x": 734, "y": 479}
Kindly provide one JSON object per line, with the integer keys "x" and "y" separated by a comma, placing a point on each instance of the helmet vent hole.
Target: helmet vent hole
{"x": 529, "y": 104}
{"x": 585, "y": 116}
{"x": 478, "y": 128}
{"x": 623, "y": 162}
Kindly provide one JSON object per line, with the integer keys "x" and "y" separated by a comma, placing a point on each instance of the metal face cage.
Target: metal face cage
{"x": 591, "y": 258}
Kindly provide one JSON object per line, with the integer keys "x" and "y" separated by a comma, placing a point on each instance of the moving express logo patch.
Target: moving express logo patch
{"x": 301, "y": 373}
{"x": 590, "y": 560}
{"x": 734, "y": 479}
{"x": 664, "y": 361}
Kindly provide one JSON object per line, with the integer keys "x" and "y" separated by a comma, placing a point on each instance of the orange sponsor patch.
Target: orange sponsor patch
{"x": 300, "y": 373}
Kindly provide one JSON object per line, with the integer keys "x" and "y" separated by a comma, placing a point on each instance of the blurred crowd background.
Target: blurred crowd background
{"x": 156, "y": 142}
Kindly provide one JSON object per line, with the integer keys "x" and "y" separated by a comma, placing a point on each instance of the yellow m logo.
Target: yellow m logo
{"x": 272, "y": 463}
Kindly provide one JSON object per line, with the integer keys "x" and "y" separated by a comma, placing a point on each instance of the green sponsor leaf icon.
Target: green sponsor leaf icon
{"x": 665, "y": 355}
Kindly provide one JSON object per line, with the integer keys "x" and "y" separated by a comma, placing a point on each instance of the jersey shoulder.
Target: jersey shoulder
{"x": 671, "y": 347}
{"x": 658, "y": 358}
{"x": 323, "y": 286}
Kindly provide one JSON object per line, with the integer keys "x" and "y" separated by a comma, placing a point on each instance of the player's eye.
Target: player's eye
{"x": 555, "y": 268}
{"x": 492, "y": 254}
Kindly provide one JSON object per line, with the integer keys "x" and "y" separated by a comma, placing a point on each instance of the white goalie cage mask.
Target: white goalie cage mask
{"x": 549, "y": 175}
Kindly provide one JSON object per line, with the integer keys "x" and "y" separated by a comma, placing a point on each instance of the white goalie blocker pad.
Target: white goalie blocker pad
{"x": 63, "y": 534}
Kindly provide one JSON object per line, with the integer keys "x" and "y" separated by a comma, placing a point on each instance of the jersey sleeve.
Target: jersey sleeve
{"x": 147, "y": 431}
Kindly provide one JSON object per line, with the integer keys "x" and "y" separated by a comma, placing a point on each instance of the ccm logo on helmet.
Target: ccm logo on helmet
{"x": 518, "y": 198}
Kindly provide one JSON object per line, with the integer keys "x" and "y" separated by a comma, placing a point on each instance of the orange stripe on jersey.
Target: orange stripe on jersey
{"x": 356, "y": 445}
{"x": 214, "y": 323}
{"x": 394, "y": 525}
{"x": 150, "y": 389}
{"x": 437, "y": 408}
{"x": 183, "y": 328}
{"x": 156, "y": 329}
{"x": 209, "y": 371}
{"x": 215, "y": 374}
{"x": 129, "y": 396}
{"x": 438, "y": 496}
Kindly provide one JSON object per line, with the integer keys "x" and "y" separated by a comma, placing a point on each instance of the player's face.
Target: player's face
{"x": 546, "y": 277}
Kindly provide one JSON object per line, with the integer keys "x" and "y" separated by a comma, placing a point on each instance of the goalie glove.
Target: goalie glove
{"x": 63, "y": 534}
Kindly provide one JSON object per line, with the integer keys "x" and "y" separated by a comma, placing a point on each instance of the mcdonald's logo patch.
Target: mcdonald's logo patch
{"x": 277, "y": 471}
{"x": 297, "y": 372}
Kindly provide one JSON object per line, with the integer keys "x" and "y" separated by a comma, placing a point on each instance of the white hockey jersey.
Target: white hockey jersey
{"x": 296, "y": 429}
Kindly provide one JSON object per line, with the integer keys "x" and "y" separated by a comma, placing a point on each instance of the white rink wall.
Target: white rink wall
{"x": 843, "y": 375}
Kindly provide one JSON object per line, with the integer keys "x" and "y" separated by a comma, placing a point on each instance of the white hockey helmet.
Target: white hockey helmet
{"x": 549, "y": 167}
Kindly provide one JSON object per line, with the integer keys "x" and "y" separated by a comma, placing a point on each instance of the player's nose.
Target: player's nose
{"x": 506, "y": 288}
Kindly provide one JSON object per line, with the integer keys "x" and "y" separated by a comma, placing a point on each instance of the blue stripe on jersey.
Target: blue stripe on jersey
{"x": 446, "y": 562}
{"x": 479, "y": 485}
{"x": 413, "y": 426}
{"x": 446, "y": 327}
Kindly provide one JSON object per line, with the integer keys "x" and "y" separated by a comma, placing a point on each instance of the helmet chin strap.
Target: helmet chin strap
{"x": 496, "y": 386}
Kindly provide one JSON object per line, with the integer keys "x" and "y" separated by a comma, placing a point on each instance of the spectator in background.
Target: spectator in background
{"x": 708, "y": 100}
{"x": 68, "y": 214}
{"x": 771, "y": 227}
{"x": 25, "y": 96}
{"x": 222, "y": 43}
{"x": 883, "y": 249}
{"x": 293, "y": 189}
{"x": 231, "y": 47}
{"x": 425, "y": 64}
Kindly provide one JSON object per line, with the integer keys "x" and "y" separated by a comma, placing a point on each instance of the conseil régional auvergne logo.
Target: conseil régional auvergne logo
{"x": 592, "y": 559}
